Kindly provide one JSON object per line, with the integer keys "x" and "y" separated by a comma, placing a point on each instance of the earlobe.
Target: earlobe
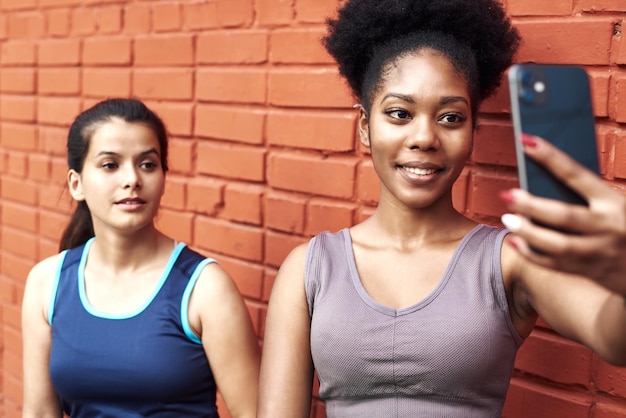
{"x": 363, "y": 123}
{"x": 75, "y": 185}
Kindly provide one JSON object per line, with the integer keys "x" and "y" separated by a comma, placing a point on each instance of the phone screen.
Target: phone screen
{"x": 554, "y": 103}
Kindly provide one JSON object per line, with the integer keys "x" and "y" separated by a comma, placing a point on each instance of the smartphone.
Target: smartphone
{"x": 554, "y": 103}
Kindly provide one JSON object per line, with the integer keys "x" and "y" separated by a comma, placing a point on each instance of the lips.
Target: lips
{"x": 420, "y": 169}
{"x": 131, "y": 201}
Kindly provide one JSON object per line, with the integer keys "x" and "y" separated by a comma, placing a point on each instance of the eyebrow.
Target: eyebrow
{"x": 142, "y": 154}
{"x": 409, "y": 99}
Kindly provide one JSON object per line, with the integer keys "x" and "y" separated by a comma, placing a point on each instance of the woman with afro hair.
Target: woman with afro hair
{"x": 419, "y": 311}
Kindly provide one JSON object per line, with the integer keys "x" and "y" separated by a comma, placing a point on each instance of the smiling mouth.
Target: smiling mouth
{"x": 419, "y": 171}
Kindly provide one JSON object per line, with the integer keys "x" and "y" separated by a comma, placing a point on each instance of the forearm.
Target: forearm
{"x": 611, "y": 326}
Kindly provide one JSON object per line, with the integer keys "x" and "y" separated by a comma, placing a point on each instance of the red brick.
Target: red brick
{"x": 284, "y": 212}
{"x": 320, "y": 175}
{"x": 84, "y": 21}
{"x": 59, "y": 52}
{"x": 181, "y": 156}
{"x": 232, "y": 47}
{"x": 230, "y": 123}
{"x": 611, "y": 379}
{"x": 51, "y": 225}
{"x": 58, "y": 22}
{"x": 275, "y": 12}
{"x": 16, "y": 267}
{"x": 175, "y": 193}
{"x": 11, "y": 316}
{"x": 110, "y": 19}
{"x": 231, "y": 161}
{"x": 228, "y": 85}
{"x": 137, "y": 18}
{"x": 106, "y": 82}
{"x": 58, "y": 3}
{"x": 327, "y": 131}
{"x": 200, "y": 15}
{"x": 494, "y": 143}
{"x": 599, "y": 84}
{"x": 315, "y": 88}
{"x": 178, "y": 225}
{"x": 235, "y": 13}
{"x": 247, "y": 276}
{"x": 166, "y": 17}
{"x": 55, "y": 197}
{"x": 559, "y": 41}
{"x": 620, "y": 157}
{"x": 539, "y": 7}
{"x": 298, "y": 46}
{"x": 17, "y": 164}
{"x": 18, "y": 4}
{"x": 57, "y": 111}
{"x": 171, "y": 50}
{"x": 525, "y": 399}
{"x": 178, "y": 117}
{"x": 17, "y": 80}
{"x": 315, "y": 10}
{"x": 18, "y": 136}
{"x": 107, "y": 51}
{"x": 243, "y": 242}
{"x": 484, "y": 187}
{"x": 167, "y": 84}
{"x": 38, "y": 167}
{"x": 368, "y": 184}
{"x": 610, "y": 409}
{"x": 53, "y": 139}
{"x": 601, "y": 5}
{"x": 619, "y": 107}
{"x": 555, "y": 358}
{"x": 18, "y": 53}
{"x": 328, "y": 215}
{"x": 26, "y": 25}
{"x": 242, "y": 203}
{"x": 17, "y": 242}
{"x": 58, "y": 81}
{"x": 205, "y": 195}
{"x": 17, "y": 108}
{"x": 279, "y": 245}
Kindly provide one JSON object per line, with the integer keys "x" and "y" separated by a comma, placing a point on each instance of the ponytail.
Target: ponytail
{"x": 79, "y": 229}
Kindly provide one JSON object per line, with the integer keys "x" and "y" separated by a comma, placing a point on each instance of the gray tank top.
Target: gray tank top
{"x": 449, "y": 355}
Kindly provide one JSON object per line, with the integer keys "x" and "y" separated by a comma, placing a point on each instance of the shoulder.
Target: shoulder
{"x": 40, "y": 282}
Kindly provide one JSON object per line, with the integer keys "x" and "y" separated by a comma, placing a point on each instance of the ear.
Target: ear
{"x": 363, "y": 124}
{"x": 75, "y": 185}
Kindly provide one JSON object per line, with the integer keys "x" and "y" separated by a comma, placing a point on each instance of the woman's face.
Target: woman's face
{"x": 122, "y": 180}
{"x": 419, "y": 130}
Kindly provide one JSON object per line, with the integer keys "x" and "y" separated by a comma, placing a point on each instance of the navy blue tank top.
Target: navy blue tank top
{"x": 146, "y": 363}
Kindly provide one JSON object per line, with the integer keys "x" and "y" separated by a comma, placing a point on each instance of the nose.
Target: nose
{"x": 422, "y": 134}
{"x": 132, "y": 179}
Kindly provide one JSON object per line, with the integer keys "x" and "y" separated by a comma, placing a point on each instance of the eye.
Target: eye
{"x": 109, "y": 165}
{"x": 149, "y": 165}
{"x": 453, "y": 118}
{"x": 398, "y": 114}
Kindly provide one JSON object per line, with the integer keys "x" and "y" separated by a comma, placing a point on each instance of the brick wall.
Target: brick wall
{"x": 263, "y": 152}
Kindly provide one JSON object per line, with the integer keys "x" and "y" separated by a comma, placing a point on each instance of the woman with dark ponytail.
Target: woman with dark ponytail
{"x": 419, "y": 311}
{"x": 125, "y": 321}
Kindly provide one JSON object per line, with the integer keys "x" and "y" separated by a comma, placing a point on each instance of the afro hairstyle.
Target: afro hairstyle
{"x": 364, "y": 27}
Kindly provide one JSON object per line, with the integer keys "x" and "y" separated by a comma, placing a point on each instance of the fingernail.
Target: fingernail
{"x": 507, "y": 197}
{"x": 513, "y": 243}
{"x": 512, "y": 222}
{"x": 529, "y": 140}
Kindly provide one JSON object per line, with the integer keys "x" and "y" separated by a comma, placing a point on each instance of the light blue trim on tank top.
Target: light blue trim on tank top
{"x": 55, "y": 285}
{"x": 123, "y": 315}
{"x": 184, "y": 306}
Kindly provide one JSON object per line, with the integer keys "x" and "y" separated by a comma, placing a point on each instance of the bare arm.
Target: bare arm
{"x": 577, "y": 282}
{"x": 286, "y": 367}
{"x": 40, "y": 399}
{"x": 228, "y": 339}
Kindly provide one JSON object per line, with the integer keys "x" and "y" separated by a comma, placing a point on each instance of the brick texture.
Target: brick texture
{"x": 263, "y": 151}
